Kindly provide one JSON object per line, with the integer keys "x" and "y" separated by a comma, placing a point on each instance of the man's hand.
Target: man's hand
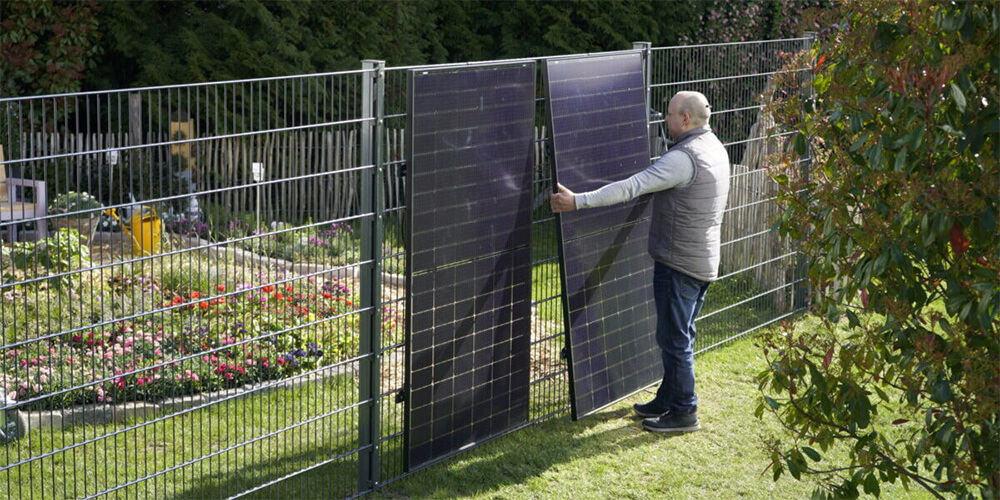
{"x": 563, "y": 201}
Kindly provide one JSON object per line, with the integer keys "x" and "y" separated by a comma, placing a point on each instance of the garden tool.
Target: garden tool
{"x": 144, "y": 229}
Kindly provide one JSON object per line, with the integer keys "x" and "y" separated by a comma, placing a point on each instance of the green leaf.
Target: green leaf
{"x": 949, "y": 20}
{"x": 852, "y": 319}
{"x": 793, "y": 468}
{"x": 917, "y": 136}
{"x": 872, "y": 485}
{"x": 801, "y": 147}
{"x": 811, "y": 453}
{"x": 772, "y": 403}
{"x": 958, "y": 96}
{"x": 900, "y": 160}
{"x": 941, "y": 391}
{"x": 860, "y": 142}
{"x": 951, "y": 130}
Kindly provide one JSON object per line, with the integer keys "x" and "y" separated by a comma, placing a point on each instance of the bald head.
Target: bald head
{"x": 687, "y": 110}
{"x": 694, "y": 104}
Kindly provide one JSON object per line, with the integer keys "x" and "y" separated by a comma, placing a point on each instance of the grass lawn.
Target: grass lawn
{"x": 609, "y": 456}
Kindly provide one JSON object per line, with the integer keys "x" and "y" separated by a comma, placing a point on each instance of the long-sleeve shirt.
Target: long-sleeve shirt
{"x": 672, "y": 169}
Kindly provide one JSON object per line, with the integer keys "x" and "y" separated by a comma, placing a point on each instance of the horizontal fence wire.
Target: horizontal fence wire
{"x": 184, "y": 271}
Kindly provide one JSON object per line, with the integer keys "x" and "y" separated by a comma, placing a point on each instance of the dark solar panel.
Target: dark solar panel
{"x": 599, "y": 135}
{"x": 470, "y": 136}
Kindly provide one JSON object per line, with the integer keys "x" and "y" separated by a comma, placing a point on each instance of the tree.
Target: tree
{"x": 897, "y": 219}
{"x": 722, "y": 21}
{"x": 165, "y": 43}
{"x": 46, "y": 46}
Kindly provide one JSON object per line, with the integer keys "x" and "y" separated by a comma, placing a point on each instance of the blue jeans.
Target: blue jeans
{"x": 679, "y": 298}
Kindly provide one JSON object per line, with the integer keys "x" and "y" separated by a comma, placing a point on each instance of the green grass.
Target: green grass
{"x": 609, "y": 456}
{"x": 181, "y": 441}
{"x": 603, "y": 456}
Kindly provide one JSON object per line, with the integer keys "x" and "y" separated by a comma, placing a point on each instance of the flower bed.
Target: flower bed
{"x": 205, "y": 340}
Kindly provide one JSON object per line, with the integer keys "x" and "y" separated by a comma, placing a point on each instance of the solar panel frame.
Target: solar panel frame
{"x": 468, "y": 311}
{"x": 608, "y": 305}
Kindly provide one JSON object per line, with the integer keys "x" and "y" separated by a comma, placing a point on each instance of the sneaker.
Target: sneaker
{"x": 673, "y": 422}
{"x": 648, "y": 410}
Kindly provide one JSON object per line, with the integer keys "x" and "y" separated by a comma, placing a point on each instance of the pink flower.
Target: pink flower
{"x": 12, "y": 396}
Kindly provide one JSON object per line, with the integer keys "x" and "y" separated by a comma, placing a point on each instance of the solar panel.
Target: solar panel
{"x": 470, "y": 134}
{"x": 599, "y": 135}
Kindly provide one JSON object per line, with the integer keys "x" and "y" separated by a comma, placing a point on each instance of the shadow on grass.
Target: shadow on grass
{"x": 337, "y": 479}
{"x": 517, "y": 457}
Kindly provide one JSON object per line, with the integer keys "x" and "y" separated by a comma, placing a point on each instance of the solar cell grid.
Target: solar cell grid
{"x": 599, "y": 135}
{"x": 470, "y": 134}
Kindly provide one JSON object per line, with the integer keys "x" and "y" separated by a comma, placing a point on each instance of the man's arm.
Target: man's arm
{"x": 669, "y": 171}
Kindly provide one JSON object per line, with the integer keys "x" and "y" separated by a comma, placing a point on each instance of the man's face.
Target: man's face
{"x": 674, "y": 120}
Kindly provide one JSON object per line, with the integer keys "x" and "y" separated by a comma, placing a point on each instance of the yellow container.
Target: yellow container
{"x": 144, "y": 229}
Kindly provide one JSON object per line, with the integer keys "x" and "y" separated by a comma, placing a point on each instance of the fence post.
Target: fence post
{"x": 803, "y": 292}
{"x": 647, "y": 75}
{"x": 369, "y": 373}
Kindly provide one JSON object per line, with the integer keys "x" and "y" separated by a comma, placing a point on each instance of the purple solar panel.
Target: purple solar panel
{"x": 600, "y": 135}
{"x": 470, "y": 134}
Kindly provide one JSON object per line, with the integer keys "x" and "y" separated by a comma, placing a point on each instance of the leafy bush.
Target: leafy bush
{"x": 898, "y": 220}
{"x": 58, "y": 254}
{"x": 78, "y": 205}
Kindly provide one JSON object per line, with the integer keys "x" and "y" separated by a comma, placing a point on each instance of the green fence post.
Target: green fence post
{"x": 802, "y": 292}
{"x": 369, "y": 373}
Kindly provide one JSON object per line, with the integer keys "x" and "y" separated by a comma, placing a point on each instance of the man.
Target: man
{"x": 690, "y": 186}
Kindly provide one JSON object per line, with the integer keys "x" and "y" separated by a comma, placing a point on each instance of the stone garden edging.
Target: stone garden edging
{"x": 100, "y": 414}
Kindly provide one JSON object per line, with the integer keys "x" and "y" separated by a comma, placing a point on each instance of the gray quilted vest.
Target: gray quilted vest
{"x": 685, "y": 233}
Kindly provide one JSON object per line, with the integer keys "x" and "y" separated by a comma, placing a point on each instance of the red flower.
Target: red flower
{"x": 279, "y": 296}
{"x": 195, "y": 295}
{"x": 289, "y": 289}
{"x": 819, "y": 64}
{"x": 221, "y": 288}
{"x": 326, "y": 296}
{"x": 203, "y": 305}
{"x": 959, "y": 241}
{"x": 268, "y": 288}
{"x": 178, "y": 301}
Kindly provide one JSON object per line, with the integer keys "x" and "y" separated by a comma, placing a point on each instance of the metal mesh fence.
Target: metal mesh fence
{"x": 761, "y": 280}
{"x": 203, "y": 284}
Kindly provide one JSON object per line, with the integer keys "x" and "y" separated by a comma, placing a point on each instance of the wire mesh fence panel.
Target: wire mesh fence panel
{"x": 203, "y": 290}
{"x": 182, "y": 317}
{"x": 761, "y": 280}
